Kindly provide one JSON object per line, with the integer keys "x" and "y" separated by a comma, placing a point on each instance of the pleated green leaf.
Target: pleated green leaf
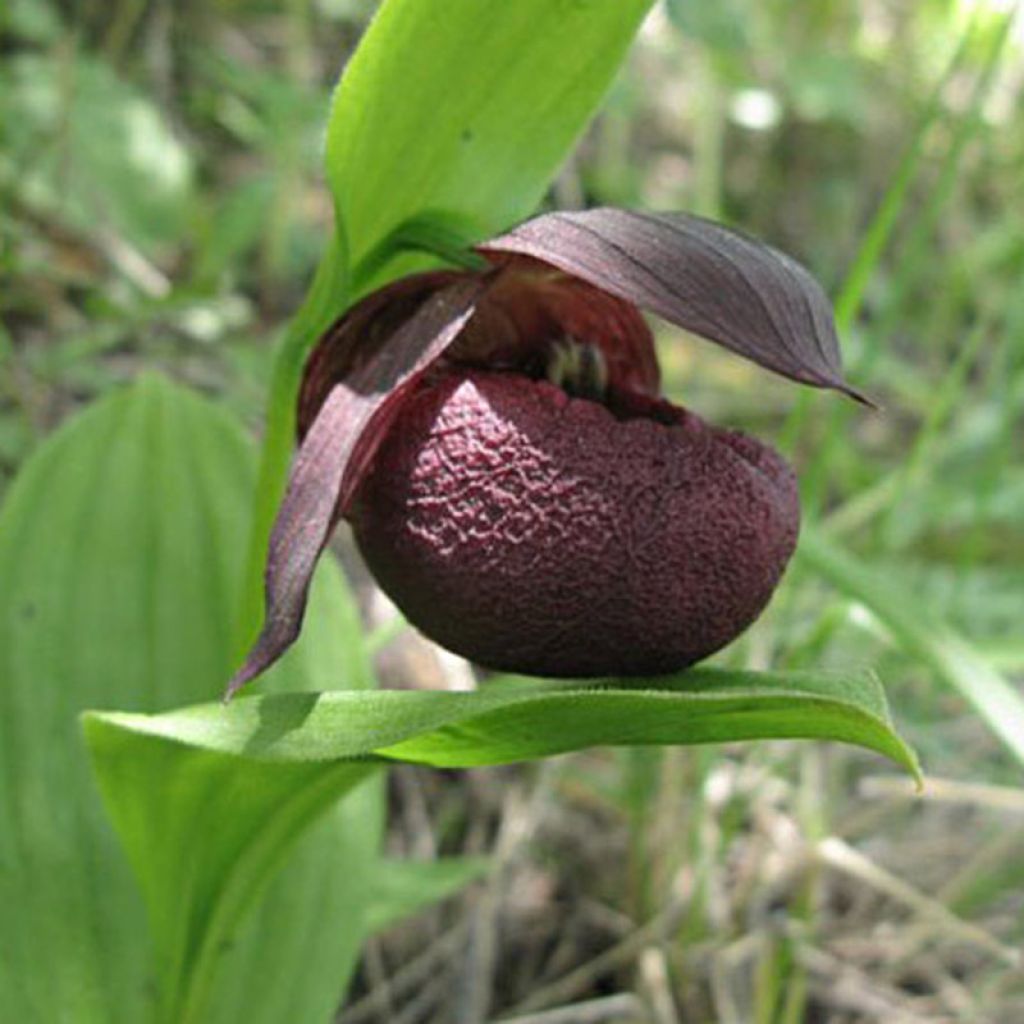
{"x": 121, "y": 551}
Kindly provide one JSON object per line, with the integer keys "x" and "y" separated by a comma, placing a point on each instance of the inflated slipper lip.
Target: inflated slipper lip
{"x": 536, "y": 533}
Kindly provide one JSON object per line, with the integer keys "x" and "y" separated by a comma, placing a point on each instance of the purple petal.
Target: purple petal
{"x": 355, "y": 339}
{"x": 706, "y": 278}
{"x": 334, "y": 456}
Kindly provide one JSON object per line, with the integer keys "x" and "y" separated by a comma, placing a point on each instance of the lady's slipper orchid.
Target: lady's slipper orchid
{"x": 514, "y": 480}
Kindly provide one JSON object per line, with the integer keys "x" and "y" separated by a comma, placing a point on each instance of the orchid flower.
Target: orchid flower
{"x": 514, "y": 479}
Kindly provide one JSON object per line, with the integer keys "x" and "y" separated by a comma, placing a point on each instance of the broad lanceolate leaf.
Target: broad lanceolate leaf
{"x": 466, "y": 108}
{"x": 209, "y": 799}
{"x": 121, "y": 547}
{"x": 706, "y": 278}
{"x": 327, "y": 465}
{"x": 518, "y": 719}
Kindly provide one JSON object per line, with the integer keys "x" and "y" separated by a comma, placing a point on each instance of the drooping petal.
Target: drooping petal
{"x": 334, "y": 456}
{"x": 706, "y": 278}
{"x": 354, "y": 339}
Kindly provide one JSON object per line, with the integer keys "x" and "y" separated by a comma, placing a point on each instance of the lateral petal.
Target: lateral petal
{"x": 334, "y": 456}
{"x": 716, "y": 282}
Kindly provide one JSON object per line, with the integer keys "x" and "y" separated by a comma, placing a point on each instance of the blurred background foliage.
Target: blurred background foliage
{"x": 162, "y": 206}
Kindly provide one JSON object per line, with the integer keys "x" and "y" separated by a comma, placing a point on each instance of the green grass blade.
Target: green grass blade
{"x": 948, "y": 655}
{"x": 884, "y": 222}
{"x": 879, "y": 234}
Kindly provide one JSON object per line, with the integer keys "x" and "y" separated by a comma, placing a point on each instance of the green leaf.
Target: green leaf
{"x": 466, "y": 109}
{"x": 516, "y": 719}
{"x": 208, "y": 799}
{"x": 121, "y": 552}
{"x": 224, "y": 828}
